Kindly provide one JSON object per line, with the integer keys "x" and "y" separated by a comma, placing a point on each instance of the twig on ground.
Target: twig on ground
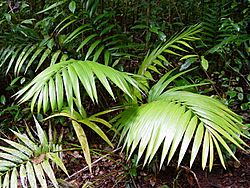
{"x": 86, "y": 167}
{"x": 192, "y": 172}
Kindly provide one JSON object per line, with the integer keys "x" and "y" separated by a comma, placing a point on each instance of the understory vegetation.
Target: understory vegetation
{"x": 163, "y": 82}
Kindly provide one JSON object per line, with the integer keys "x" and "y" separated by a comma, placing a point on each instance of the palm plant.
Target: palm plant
{"x": 173, "y": 117}
{"x": 28, "y": 160}
{"x": 193, "y": 115}
{"x": 64, "y": 78}
{"x": 76, "y": 62}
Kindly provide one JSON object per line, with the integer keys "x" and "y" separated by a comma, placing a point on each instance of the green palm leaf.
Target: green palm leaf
{"x": 67, "y": 76}
{"x": 22, "y": 57}
{"x": 175, "y": 45}
{"x": 91, "y": 122}
{"x": 28, "y": 161}
{"x": 174, "y": 119}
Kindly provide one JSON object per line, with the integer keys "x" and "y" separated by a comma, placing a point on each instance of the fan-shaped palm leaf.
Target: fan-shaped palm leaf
{"x": 50, "y": 87}
{"x": 28, "y": 161}
{"x": 174, "y": 118}
{"x": 177, "y": 117}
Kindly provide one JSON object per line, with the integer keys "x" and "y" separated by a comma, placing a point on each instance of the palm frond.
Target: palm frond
{"x": 90, "y": 6}
{"x": 28, "y": 161}
{"x": 176, "y": 118}
{"x": 96, "y": 40}
{"x": 49, "y": 88}
{"x": 92, "y": 122}
{"x": 175, "y": 45}
{"x": 21, "y": 57}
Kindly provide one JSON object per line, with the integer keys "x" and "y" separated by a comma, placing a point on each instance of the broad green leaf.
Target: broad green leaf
{"x": 23, "y": 176}
{"x": 85, "y": 41}
{"x": 19, "y": 59}
{"x": 99, "y": 120}
{"x": 184, "y": 43}
{"x": 50, "y": 173}
{"x": 77, "y": 32}
{"x": 106, "y": 57}
{"x": 41, "y": 135}
{"x": 42, "y": 59}
{"x": 68, "y": 88}
{"x": 211, "y": 153}
{"x": 168, "y": 130}
{"x": 40, "y": 175}
{"x": 15, "y": 152}
{"x": 4, "y": 169}
{"x": 20, "y": 65}
{"x": 34, "y": 56}
{"x": 83, "y": 141}
{"x": 187, "y": 138}
{"x": 52, "y": 95}
{"x": 26, "y": 141}
{"x": 66, "y": 25}
{"x": 34, "y": 100}
{"x": 218, "y": 150}
{"x": 188, "y": 56}
{"x": 11, "y": 158}
{"x": 97, "y": 53}
{"x": 205, "y": 149}
{"x": 86, "y": 77}
{"x": 5, "y": 55}
{"x": 13, "y": 179}
{"x": 51, "y": 7}
{"x": 97, "y": 129}
{"x": 40, "y": 100}
{"x": 57, "y": 160}
{"x": 6, "y": 180}
{"x": 12, "y": 59}
{"x": 183, "y": 123}
{"x": 45, "y": 98}
{"x": 91, "y": 48}
{"x": 20, "y": 147}
{"x": 197, "y": 142}
{"x": 6, "y": 163}
{"x": 204, "y": 63}
{"x": 178, "y": 48}
{"x": 59, "y": 91}
{"x": 55, "y": 57}
{"x": 76, "y": 88}
{"x": 31, "y": 175}
{"x": 72, "y": 6}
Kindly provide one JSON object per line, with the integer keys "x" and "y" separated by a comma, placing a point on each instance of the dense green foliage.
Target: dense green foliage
{"x": 135, "y": 67}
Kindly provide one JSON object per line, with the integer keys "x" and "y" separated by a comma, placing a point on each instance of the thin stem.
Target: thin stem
{"x": 86, "y": 167}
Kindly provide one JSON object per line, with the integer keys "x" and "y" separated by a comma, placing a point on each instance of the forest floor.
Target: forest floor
{"x": 111, "y": 170}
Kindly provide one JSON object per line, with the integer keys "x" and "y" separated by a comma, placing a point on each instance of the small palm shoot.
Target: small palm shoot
{"x": 28, "y": 161}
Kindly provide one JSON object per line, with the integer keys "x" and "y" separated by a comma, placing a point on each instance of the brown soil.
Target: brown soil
{"x": 111, "y": 170}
